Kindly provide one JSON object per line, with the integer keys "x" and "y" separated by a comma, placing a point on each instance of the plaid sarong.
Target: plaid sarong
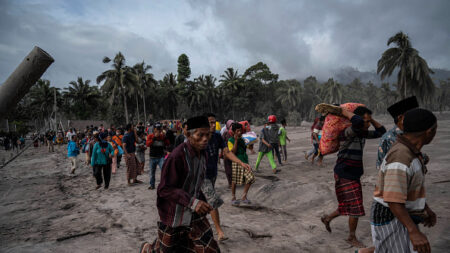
{"x": 196, "y": 238}
{"x": 349, "y": 196}
{"x": 131, "y": 162}
{"x": 241, "y": 176}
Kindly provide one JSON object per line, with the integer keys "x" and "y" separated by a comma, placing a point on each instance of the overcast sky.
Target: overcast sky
{"x": 294, "y": 38}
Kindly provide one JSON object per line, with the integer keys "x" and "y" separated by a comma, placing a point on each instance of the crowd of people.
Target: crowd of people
{"x": 188, "y": 154}
{"x": 12, "y": 141}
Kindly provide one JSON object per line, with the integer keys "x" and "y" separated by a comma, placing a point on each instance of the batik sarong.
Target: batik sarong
{"x": 198, "y": 237}
{"x": 132, "y": 170}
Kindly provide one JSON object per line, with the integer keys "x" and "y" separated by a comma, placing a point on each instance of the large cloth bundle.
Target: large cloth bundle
{"x": 245, "y": 126}
{"x": 332, "y": 127}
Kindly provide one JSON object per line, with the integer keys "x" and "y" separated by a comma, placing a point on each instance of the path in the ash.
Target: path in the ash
{"x": 45, "y": 209}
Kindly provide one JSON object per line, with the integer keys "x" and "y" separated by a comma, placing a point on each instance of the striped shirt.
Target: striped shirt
{"x": 401, "y": 178}
{"x": 349, "y": 164}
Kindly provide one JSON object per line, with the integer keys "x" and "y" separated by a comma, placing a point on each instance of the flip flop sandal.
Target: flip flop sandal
{"x": 327, "y": 108}
{"x": 247, "y": 202}
{"x": 235, "y": 202}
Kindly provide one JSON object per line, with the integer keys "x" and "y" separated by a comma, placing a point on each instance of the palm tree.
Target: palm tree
{"x": 81, "y": 95}
{"x": 332, "y": 91}
{"x": 170, "y": 93}
{"x": 118, "y": 80}
{"x": 145, "y": 81}
{"x": 230, "y": 85}
{"x": 43, "y": 97}
{"x": 413, "y": 74}
{"x": 289, "y": 94}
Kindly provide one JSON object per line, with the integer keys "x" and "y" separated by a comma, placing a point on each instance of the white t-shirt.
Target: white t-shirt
{"x": 69, "y": 135}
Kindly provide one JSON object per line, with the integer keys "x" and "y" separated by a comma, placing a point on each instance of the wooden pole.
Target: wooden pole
{"x": 24, "y": 76}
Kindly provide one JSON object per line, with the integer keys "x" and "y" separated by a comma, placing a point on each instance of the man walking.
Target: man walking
{"x": 182, "y": 207}
{"x": 399, "y": 204}
{"x": 158, "y": 144}
{"x": 72, "y": 152}
{"x": 349, "y": 167}
{"x": 129, "y": 147}
{"x": 397, "y": 112}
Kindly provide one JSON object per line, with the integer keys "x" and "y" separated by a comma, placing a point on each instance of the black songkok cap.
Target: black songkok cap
{"x": 403, "y": 106}
{"x": 197, "y": 122}
{"x": 418, "y": 120}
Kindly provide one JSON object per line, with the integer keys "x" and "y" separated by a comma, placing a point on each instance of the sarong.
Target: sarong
{"x": 196, "y": 238}
{"x": 210, "y": 193}
{"x": 392, "y": 237}
{"x": 349, "y": 196}
{"x": 130, "y": 161}
{"x": 140, "y": 167}
{"x": 241, "y": 175}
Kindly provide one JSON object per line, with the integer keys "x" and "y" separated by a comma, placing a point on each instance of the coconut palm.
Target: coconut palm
{"x": 413, "y": 71}
{"x": 81, "y": 96}
{"x": 145, "y": 82}
{"x": 332, "y": 91}
{"x": 289, "y": 94}
{"x": 42, "y": 97}
{"x": 170, "y": 91}
{"x": 118, "y": 81}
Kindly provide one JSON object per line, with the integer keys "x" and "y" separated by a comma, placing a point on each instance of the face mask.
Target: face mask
{"x": 268, "y": 127}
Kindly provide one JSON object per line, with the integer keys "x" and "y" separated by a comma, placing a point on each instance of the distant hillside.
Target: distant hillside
{"x": 348, "y": 74}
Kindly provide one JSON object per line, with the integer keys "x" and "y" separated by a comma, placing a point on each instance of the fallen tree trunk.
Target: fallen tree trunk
{"x": 23, "y": 77}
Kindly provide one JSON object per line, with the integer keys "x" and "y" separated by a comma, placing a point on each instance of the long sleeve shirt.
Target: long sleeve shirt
{"x": 99, "y": 155}
{"x": 349, "y": 164}
{"x": 180, "y": 187}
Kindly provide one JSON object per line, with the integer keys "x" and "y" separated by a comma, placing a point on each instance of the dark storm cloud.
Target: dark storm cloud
{"x": 353, "y": 33}
{"x": 78, "y": 49}
{"x": 295, "y": 38}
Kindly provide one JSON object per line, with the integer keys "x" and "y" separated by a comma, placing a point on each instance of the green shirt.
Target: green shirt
{"x": 241, "y": 151}
{"x": 283, "y": 136}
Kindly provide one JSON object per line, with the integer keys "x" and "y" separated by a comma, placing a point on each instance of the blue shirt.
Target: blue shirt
{"x": 387, "y": 140}
{"x": 129, "y": 139}
{"x": 72, "y": 149}
{"x": 214, "y": 144}
{"x": 100, "y": 155}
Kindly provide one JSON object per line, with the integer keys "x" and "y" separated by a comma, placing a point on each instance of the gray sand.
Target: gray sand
{"x": 45, "y": 209}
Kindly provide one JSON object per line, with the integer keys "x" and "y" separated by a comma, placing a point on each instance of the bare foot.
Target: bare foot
{"x": 326, "y": 222}
{"x": 221, "y": 236}
{"x": 354, "y": 242}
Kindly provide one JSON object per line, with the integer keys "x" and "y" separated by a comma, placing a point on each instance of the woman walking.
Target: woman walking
{"x": 102, "y": 154}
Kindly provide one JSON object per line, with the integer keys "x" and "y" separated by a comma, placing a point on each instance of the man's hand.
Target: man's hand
{"x": 246, "y": 166}
{"x": 268, "y": 145}
{"x": 236, "y": 136}
{"x": 430, "y": 220}
{"x": 203, "y": 207}
{"x": 419, "y": 241}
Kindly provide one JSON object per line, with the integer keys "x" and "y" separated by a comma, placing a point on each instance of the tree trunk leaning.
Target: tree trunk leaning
{"x": 24, "y": 76}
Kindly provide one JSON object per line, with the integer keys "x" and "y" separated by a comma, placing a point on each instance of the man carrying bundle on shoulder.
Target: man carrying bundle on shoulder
{"x": 349, "y": 166}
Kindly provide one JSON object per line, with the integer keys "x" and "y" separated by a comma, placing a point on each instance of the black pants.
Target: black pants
{"x": 106, "y": 168}
{"x": 276, "y": 149}
{"x": 119, "y": 158}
